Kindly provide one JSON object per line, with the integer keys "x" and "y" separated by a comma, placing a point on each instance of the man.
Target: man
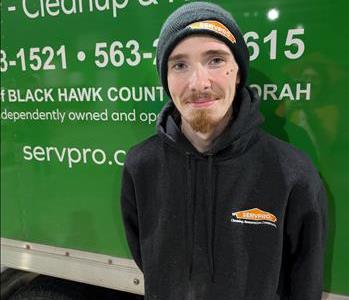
{"x": 215, "y": 208}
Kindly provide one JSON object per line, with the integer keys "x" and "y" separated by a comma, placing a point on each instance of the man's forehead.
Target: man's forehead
{"x": 199, "y": 45}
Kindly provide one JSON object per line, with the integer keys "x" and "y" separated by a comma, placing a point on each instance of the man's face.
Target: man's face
{"x": 202, "y": 78}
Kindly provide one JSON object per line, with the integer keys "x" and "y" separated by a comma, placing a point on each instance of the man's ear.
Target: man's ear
{"x": 238, "y": 78}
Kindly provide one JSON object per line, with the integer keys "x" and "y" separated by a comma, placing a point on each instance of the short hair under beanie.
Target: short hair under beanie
{"x": 185, "y": 21}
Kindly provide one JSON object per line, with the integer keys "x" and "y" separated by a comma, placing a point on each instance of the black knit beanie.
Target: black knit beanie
{"x": 186, "y": 21}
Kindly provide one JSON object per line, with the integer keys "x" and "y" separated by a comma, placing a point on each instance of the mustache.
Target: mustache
{"x": 202, "y": 95}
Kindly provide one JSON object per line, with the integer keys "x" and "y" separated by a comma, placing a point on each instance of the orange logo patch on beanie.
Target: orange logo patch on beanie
{"x": 214, "y": 26}
{"x": 254, "y": 216}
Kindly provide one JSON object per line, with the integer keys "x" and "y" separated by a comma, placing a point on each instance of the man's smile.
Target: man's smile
{"x": 202, "y": 102}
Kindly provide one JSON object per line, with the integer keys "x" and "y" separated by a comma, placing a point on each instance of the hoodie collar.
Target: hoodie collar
{"x": 246, "y": 117}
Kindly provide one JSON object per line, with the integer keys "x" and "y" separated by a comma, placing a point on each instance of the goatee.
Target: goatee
{"x": 202, "y": 122}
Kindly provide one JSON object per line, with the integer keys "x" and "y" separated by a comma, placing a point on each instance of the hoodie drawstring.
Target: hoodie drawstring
{"x": 190, "y": 215}
{"x": 211, "y": 214}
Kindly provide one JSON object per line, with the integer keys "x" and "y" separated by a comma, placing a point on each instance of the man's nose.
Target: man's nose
{"x": 199, "y": 79}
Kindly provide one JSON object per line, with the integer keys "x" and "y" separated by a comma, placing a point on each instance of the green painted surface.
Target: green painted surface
{"x": 47, "y": 199}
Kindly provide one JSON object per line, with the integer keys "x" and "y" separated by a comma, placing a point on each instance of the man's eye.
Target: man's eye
{"x": 216, "y": 61}
{"x": 179, "y": 66}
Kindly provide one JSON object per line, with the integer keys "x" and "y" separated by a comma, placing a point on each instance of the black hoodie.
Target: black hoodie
{"x": 245, "y": 220}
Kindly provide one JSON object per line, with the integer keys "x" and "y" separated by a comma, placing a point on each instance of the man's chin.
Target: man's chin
{"x": 202, "y": 122}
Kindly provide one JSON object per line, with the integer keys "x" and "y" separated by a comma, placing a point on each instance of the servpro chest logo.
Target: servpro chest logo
{"x": 254, "y": 216}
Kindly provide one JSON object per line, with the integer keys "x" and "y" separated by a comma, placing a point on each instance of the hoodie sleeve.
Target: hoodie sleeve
{"x": 130, "y": 215}
{"x": 306, "y": 231}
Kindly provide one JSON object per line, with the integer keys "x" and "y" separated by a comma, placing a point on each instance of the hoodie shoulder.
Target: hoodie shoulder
{"x": 142, "y": 152}
{"x": 292, "y": 160}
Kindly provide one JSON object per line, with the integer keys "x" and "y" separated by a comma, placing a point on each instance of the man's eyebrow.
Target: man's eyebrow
{"x": 217, "y": 52}
{"x": 177, "y": 57}
{"x": 181, "y": 56}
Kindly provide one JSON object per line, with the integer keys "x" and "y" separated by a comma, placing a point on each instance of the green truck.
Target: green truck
{"x": 79, "y": 88}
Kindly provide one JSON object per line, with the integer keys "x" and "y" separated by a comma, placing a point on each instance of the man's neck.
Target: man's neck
{"x": 203, "y": 141}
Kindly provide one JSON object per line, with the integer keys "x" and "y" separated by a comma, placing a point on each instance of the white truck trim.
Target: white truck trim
{"x": 327, "y": 296}
{"x": 97, "y": 269}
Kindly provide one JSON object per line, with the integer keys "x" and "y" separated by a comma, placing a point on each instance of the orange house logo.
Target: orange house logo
{"x": 215, "y": 26}
{"x": 254, "y": 216}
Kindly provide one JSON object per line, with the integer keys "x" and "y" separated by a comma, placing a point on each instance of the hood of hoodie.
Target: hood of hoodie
{"x": 234, "y": 140}
{"x": 246, "y": 117}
